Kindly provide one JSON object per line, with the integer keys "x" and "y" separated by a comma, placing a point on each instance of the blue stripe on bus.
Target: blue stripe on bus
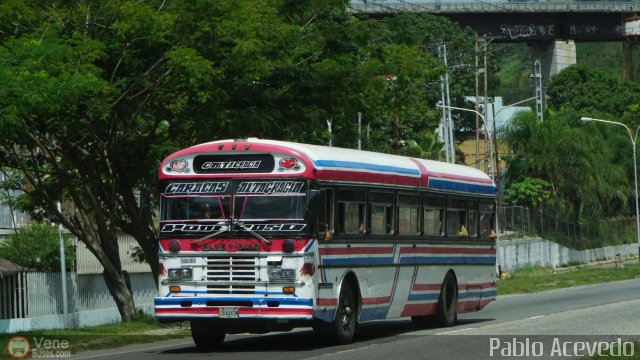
{"x": 366, "y": 166}
{"x": 472, "y": 260}
{"x": 358, "y": 261}
{"x": 478, "y": 294}
{"x": 462, "y": 186}
{"x": 203, "y": 301}
{"x": 378, "y": 313}
{"x": 424, "y": 297}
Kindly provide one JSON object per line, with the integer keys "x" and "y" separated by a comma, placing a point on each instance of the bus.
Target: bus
{"x": 261, "y": 235}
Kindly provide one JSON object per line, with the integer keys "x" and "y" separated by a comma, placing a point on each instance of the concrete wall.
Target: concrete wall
{"x": 519, "y": 253}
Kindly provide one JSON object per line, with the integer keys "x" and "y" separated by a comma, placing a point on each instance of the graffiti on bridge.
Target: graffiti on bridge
{"x": 519, "y": 31}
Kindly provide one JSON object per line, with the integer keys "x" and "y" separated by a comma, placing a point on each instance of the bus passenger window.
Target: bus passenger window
{"x": 408, "y": 214}
{"x": 487, "y": 220}
{"x": 457, "y": 218}
{"x": 381, "y": 213}
{"x": 433, "y": 210}
{"x": 473, "y": 219}
{"x": 350, "y": 219}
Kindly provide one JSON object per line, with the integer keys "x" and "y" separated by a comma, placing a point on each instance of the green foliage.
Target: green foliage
{"x": 37, "y": 246}
{"x": 528, "y": 192}
{"x": 560, "y": 151}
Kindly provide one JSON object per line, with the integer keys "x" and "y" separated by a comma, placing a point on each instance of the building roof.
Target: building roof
{"x": 9, "y": 268}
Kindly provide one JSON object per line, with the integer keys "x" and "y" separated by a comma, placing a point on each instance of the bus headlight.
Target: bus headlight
{"x": 181, "y": 273}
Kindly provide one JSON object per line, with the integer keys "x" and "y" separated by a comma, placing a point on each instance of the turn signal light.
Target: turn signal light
{"x": 288, "y": 290}
{"x": 174, "y": 289}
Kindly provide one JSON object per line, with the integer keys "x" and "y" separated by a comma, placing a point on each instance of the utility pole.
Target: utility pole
{"x": 477, "y": 108}
{"x": 449, "y": 120}
{"x": 359, "y": 130}
{"x": 486, "y": 106}
{"x": 537, "y": 78}
{"x": 445, "y": 125}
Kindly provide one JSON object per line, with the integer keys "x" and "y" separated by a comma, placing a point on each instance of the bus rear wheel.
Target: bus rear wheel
{"x": 345, "y": 322}
{"x": 206, "y": 336}
{"x": 447, "y": 311}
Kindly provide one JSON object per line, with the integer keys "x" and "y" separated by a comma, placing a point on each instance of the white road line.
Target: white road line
{"x": 454, "y": 331}
{"x": 534, "y": 317}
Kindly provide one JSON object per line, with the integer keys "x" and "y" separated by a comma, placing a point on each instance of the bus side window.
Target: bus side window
{"x": 433, "y": 210}
{"x": 381, "y": 209}
{"x": 351, "y": 212}
{"x": 473, "y": 219}
{"x": 457, "y": 218}
{"x": 320, "y": 209}
{"x": 408, "y": 214}
{"x": 487, "y": 220}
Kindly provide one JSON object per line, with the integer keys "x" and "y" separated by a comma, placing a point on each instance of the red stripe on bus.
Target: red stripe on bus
{"x": 419, "y": 309}
{"x": 367, "y": 177}
{"x": 376, "y": 300}
{"x": 327, "y": 302}
{"x": 356, "y": 251}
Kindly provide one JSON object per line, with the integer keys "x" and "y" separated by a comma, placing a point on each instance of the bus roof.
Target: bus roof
{"x": 261, "y": 158}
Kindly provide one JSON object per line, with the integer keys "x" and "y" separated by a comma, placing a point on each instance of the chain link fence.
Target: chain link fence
{"x": 517, "y": 221}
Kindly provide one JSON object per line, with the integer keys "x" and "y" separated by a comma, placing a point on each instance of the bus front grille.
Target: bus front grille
{"x": 238, "y": 273}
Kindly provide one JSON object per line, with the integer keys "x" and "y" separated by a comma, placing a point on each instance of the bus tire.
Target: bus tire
{"x": 345, "y": 322}
{"x": 447, "y": 311}
{"x": 205, "y": 335}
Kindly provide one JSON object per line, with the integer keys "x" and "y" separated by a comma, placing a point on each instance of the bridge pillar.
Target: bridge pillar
{"x": 555, "y": 56}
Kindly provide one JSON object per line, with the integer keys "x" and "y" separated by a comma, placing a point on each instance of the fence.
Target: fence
{"x": 518, "y": 221}
{"x": 35, "y": 298}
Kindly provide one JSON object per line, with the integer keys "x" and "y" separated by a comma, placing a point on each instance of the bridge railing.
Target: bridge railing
{"x": 389, "y": 7}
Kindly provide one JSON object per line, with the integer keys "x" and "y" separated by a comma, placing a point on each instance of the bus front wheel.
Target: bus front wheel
{"x": 345, "y": 322}
{"x": 205, "y": 335}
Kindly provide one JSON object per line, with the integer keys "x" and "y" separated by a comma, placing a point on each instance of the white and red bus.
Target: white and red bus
{"x": 261, "y": 235}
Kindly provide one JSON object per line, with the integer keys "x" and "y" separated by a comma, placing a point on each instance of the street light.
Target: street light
{"x": 486, "y": 126}
{"x": 635, "y": 171}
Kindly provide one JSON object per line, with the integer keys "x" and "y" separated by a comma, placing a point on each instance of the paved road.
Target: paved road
{"x": 548, "y": 320}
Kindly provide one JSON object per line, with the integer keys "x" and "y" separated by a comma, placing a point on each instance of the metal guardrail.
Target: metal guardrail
{"x": 436, "y": 6}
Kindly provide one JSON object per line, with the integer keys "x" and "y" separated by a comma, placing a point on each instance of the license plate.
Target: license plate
{"x": 228, "y": 313}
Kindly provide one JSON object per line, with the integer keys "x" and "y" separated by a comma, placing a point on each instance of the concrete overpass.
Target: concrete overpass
{"x": 552, "y": 27}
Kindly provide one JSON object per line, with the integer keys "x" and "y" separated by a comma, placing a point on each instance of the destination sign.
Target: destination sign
{"x": 234, "y": 163}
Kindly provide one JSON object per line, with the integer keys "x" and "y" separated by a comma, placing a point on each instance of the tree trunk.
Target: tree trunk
{"x": 121, "y": 293}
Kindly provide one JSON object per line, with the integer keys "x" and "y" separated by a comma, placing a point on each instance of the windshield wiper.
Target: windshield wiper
{"x": 258, "y": 236}
{"x": 224, "y": 228}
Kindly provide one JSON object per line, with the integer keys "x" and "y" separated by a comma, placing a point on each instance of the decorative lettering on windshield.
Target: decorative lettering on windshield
{"x": 208, "y": 187}
{"x": 272, "y": 187}
{"x": 205, "y": 228}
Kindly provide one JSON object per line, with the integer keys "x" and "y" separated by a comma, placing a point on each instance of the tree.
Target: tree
{"x": 93, "y": 95}
{"x": 528, "y": 192}
{"x": 37, "y": 246}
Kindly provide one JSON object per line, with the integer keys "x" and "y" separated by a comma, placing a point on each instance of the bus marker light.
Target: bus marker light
{"x": 288, "y": 290}
{"x": 174, "y": 246}
{"x": 308, "y": 269}
{"x": 288, "y": 246}
{"x": 174, "y": 289}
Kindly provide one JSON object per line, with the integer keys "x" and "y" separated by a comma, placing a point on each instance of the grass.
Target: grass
{"x": 536, "y": 279}
{"x": 144, "y": 329}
